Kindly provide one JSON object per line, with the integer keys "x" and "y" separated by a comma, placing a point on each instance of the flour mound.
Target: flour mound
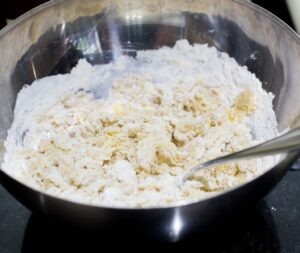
{"x": 122, "y": 134}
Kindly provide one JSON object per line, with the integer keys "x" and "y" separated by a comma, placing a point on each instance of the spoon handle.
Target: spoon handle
{"x": 289, "y": 141}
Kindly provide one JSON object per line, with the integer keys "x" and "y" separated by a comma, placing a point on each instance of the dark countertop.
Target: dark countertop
{"x": 273, "y": 226}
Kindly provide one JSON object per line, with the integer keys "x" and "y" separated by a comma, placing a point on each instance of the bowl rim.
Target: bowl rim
{"x": 289, "y": 158}
{"x": 51, "y": 3}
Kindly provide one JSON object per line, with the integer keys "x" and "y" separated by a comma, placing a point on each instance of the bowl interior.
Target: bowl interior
{"x": 55, "y": 36}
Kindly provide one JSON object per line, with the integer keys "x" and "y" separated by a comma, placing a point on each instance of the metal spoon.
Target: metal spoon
{"x": 289, "y": 141}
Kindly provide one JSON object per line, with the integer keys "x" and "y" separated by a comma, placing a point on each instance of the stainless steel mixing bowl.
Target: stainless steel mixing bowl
{"x": 51, "y": 38}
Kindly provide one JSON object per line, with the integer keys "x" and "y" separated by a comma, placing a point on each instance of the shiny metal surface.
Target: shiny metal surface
{"x": 285, "y": 143}
{"x": 51, "y": 38}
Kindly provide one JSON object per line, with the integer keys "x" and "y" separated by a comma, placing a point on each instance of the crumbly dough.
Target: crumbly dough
{"x": 127, "y": 144}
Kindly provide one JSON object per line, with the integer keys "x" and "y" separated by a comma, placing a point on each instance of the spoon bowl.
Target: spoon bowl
{"x": 285, "y": 143}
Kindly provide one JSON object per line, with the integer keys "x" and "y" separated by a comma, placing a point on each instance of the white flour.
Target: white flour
{"x": 121, "y": 134}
